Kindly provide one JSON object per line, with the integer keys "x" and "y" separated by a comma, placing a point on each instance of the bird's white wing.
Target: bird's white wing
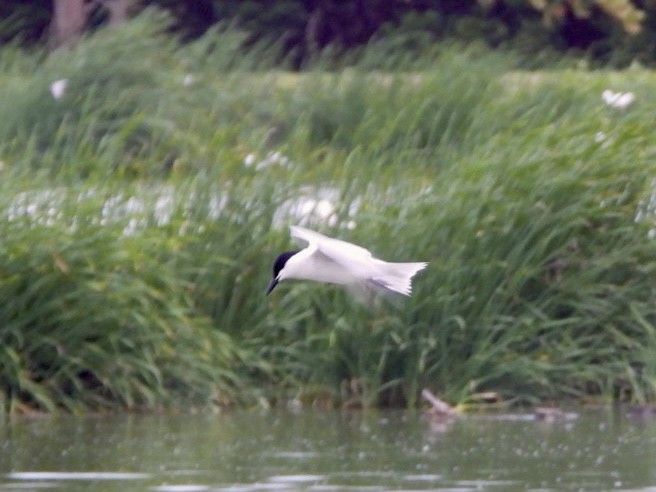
{"x": 341, "y": 262}
{"x": 339, "y": 251}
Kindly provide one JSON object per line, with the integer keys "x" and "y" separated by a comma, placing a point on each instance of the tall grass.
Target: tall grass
{"x": 140, "y": 214}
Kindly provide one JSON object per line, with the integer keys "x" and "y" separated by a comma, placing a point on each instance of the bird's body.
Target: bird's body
{"x": 334, "y": 261}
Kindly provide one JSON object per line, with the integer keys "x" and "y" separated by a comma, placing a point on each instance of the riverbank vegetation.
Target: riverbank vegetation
{"x": 147, "y": 187}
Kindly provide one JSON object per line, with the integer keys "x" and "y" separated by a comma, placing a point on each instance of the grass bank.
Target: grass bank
{"x": 140, "y": 211}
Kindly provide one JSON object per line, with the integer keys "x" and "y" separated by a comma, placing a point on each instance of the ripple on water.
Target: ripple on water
{"x": 426, "y": 477}
{"x": 30, "y": 475}
{"x": 181, "y": 488}
{"x": 295, "y": 454}
{"x": 28, "y": 485}
{"x": 296, "y": 478}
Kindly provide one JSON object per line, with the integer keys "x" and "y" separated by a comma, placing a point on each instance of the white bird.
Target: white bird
{"x": 333, "y": 261}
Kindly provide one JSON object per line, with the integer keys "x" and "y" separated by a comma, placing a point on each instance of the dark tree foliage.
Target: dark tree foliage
{"x": 305, "y": 27}
{"x": 25, "y": 21}
{"x": 191, "y": 18}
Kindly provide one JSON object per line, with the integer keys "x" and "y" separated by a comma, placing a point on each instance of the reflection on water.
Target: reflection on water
{"x": 326, "y": 451}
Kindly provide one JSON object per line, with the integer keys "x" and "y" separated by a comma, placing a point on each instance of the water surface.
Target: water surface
{"x": 327, "y": 451}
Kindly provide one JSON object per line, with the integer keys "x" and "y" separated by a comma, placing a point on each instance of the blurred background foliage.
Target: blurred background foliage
{"x": 608, "y": 32}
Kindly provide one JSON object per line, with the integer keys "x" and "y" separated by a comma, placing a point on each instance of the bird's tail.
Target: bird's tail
{"x": 398, "y": 277}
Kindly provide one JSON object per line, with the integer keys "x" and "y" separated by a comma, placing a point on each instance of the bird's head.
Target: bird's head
{"x": 279, "y": 269}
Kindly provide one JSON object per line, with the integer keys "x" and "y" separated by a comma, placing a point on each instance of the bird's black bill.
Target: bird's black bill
{"x": 272, "y": 285}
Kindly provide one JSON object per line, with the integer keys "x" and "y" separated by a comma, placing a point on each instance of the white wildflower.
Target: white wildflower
{"x": 58, "y": 88}
{"x": 272, "y": 159}
{"x": 618, "y": 100}
{"x": 249, "y": 160}
{"x": 188, "y": 80}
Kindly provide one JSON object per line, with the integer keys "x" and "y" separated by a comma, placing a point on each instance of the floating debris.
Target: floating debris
{"x": 439, "y": 408}
{"x": 549, "y": 414}
{"x": 641, "y": 411}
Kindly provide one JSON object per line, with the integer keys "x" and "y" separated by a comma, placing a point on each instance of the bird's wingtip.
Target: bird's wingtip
{"x": 297, "y": 230}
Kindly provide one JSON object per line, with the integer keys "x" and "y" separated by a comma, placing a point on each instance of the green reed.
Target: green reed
{"x": 141, "y": 212}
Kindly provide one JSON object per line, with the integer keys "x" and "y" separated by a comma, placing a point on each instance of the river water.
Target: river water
{"x": 327, "y": 451}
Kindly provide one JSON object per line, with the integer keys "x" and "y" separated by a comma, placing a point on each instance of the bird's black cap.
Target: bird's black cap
{"x": 278, "y": 265}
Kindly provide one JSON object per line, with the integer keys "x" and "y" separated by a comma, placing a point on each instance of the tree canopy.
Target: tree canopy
{"x": 618, "y": 32}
